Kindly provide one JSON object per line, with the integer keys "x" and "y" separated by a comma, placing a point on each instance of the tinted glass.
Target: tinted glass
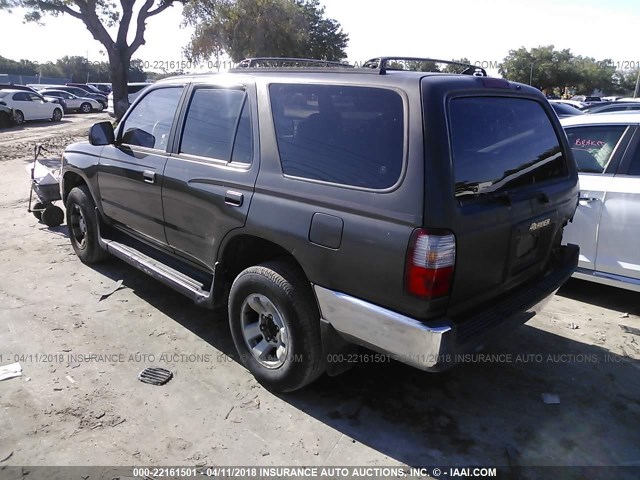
{"x": 21, "y": 97}
{"x": 212, "y": 118}
{"x": 135, "y": 88}
{"x": 150, "y": 121}
{"x": 345, "y": 135}
{"x": 499, "y": 143}
{"x": 564, "y": 109}
{"x": 592, "y": 146}
{"x": 243, "y": 146}
{"x": 634, "y": 168}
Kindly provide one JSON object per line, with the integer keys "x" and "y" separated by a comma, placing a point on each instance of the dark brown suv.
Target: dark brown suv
{"x": 416, "y": 214}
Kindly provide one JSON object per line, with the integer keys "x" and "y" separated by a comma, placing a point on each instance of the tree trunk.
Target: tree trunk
{"x": 119, "y": 72}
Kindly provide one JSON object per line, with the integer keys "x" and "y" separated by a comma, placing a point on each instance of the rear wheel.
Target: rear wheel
{"x": 82, "y": 220}
{"x": 57, "y": 115}
{"x": 275, "y": 326}
{"x": 85, "y": 108}
{"x": 18, "y": 117}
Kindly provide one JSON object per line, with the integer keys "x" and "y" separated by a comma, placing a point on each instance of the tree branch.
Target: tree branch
{"x": 90, "y": 18}
{"x": 161, "y": 8}
{"x": 127, "y": 14}
{"x": 46, "y": 6}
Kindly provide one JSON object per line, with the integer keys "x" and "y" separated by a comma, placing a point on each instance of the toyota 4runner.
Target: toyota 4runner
{"x": 417, "y": 214}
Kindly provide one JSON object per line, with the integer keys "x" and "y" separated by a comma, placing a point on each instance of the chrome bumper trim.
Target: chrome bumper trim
{"x": 403, "y": 338}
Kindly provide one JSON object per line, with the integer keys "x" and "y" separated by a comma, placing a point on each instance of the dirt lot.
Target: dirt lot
{"x": 70, "y": 408}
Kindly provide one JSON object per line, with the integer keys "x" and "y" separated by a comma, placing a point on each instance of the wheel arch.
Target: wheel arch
{"x": 245, "y": 250}
{"x": 70, "y": 180}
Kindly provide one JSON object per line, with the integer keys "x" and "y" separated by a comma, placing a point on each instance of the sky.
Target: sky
{"x": 427, "y": 28}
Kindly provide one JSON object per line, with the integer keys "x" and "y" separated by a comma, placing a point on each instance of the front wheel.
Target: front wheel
{"x": 82, "y": 220}
{"x": 275, "y": 326}
{"x": 57, "y": 115}
{"x": 85, "y": 108}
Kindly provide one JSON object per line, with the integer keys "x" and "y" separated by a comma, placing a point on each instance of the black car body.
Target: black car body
{"x": 417, "y": 214}
{"x": 6, "y": 115}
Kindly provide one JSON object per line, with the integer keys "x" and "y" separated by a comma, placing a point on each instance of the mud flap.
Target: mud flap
{"x": 336, "y": 350}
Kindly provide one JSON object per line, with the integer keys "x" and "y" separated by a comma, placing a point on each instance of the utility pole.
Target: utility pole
{"x": 531, "y": 76}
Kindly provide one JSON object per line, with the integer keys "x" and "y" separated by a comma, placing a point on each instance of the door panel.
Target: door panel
{"x": 130, "y": 172}
{"x": 208, "y": 185}
{"x": 127, "y": 196}
{"x": 25, "y": 105}
{"x": 583, "y": 230}
{"x": 597, "y": 150}
{"x": 618, "y": 250}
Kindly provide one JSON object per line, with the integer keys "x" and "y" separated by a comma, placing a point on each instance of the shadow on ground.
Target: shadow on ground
{"x": 488, "y": 411}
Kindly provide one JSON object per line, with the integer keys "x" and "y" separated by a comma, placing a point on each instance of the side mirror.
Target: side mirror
{"x": 101, "y": 133}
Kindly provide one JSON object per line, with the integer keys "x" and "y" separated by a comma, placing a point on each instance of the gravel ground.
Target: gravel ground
{"x": 78, "y": 401}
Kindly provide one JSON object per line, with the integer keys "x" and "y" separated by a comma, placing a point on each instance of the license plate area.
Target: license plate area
{"x": 530, "y": 242}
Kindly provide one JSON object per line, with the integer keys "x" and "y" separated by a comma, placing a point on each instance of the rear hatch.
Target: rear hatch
{"x": 512, "y": 185}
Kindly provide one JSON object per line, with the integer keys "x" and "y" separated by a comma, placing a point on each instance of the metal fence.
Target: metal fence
{"x": 25, "y": 79}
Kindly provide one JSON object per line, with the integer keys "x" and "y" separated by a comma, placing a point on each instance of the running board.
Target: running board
{"x": 169, "y": 276}
{"x": 606, "y": 278}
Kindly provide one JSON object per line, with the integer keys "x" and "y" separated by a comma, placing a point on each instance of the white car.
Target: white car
{"x": 30, "y": 106}
{"x": 606, "y": 226}
{"x": 134, "y": 90}
{"x": 73, "y": 102}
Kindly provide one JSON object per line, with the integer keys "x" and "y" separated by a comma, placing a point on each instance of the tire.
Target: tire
{"x": 274, "y": 304}
{"x": 85, "y": 108}
{"x": 57, "y": 115}
{"x": 18, "y": 117}
{"x": 52, "y": 216}
{"x": 82, "y": 221}
{"x": 37, "y": 206}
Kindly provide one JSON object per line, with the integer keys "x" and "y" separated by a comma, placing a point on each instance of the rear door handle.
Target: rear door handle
{"x": 149, "y": 176}
{"x": 234, "y": 199}
{"x": 588, "y": 199}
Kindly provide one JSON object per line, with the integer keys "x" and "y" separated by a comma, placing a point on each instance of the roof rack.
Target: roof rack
{"x": 284, "y": 62}
{"x": 383, "y": 64}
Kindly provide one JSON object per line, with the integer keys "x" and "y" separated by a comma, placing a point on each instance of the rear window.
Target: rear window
{"x": 500, "y": 143}
{"x": 339, "y": 134}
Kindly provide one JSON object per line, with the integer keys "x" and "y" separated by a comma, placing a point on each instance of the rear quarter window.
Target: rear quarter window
{"x": 344, "y": 135}
{"x": 501, "y": 143}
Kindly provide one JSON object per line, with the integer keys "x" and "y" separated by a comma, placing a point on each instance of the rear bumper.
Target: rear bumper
{"x": 437, "y": 344}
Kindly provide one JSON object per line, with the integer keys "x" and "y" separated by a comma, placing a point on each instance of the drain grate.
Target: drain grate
{"x": 155, "y": 375}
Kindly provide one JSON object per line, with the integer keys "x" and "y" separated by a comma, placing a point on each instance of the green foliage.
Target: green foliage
{"x": 263, "y": 28}
{"x": 547, "y": 68}
{"x": 78, "y": 69}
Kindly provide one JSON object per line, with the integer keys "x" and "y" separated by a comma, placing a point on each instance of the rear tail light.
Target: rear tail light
{"x": 430, "y": 262}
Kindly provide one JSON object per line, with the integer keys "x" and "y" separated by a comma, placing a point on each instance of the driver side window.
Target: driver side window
{"x": 149, "y": 123}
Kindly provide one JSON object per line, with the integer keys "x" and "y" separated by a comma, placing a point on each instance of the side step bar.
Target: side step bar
{"x": 606, "y": 278}
{"x": 169, "y": 276}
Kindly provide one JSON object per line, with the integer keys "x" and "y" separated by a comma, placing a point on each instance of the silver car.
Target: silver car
{"x": 606, "y": 225}
{"x": 73, "y": 102}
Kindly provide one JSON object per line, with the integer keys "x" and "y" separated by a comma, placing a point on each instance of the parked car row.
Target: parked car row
{"x": 37, "y": 102}
{"x": 30, "y": 106}
{"x": 597, "y": 106}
